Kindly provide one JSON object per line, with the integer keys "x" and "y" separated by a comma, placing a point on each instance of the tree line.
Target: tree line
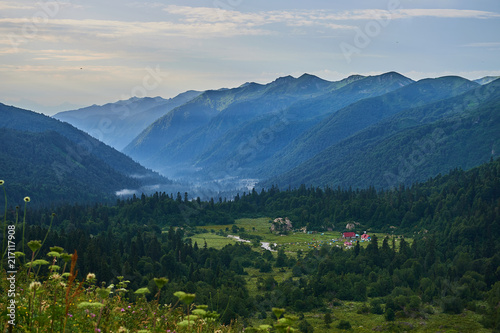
{"x": 453, "y": 261}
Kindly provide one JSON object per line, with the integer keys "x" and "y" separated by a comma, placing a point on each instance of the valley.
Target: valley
{"x": 236, "y": 166}
{"x": 369, "y": 203}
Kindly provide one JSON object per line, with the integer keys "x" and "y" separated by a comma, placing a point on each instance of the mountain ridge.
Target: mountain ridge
{"x": 354, "y": 117}
{"x": 71, "y": 158}
{"x": 247, "y": 101}
{"x": 382, "y": 153}
{"x": 295, "y": 119}
{"x": 118, "y": 123}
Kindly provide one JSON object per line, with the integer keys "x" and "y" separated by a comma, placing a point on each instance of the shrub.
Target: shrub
{"x": 376, "y": 306}
{"x": 390, "y": 315}
{"x": 344, "y": 325}
{"x": 452, "y": 305}
{"x": 305, "y": 327}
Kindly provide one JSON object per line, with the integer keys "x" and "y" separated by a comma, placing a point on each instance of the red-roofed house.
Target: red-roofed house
{"x": 365, "y": 237}
{"x": 349, "y": 235}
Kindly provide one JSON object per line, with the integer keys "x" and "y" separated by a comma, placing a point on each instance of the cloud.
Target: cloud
{"x": 445, "y": 13}
{"x": 116, "y": 29}
{"x": 290, "y": 18}
{"x": 125, "y": 192}
{"x": 69, "y": 55}
{"x": 487, "y": 44}
{"x": 207, "y": 22}
{"x": 36, "y": 6}
{"x": 152, "y": 5}
{"x": 380, "y": 14}
{"x": 4, "y": 5}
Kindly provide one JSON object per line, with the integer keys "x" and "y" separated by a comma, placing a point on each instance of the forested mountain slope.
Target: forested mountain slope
{"x": 53, "y": 161}
{"x": 413, "y": 145}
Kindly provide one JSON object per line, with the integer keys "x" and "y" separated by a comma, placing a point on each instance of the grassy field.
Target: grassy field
{"x": 213, "y": 240}
{"x": 291, "y": 243}
{"x": 440, "y": 322}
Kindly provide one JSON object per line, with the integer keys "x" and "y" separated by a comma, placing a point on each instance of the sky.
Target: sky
{"x": 61, "y": 55}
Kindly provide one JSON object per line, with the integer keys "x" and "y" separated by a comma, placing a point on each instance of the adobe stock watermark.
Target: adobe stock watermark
{"x": 373, "y": 28}
{"x": 11, "y": 279}
{"x": 29, "y": 30}
{"x": 151, "y": 80}
{"x": 227, "y": 4}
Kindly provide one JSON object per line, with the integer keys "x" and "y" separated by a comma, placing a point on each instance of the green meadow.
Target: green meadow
{"x": 290, "y": 243}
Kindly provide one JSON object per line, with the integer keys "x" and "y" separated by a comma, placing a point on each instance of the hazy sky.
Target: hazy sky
{"x": 85, "y": 52}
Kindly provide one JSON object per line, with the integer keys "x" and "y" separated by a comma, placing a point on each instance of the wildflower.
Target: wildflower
{"x": 92, "y": 315}
{"x": 54, "y": 254}
{"x": 160, "y": 282}
{"x": 129, "y": 306}
{"x": 34, "y": 244}
{"x": 35, "y": 285}
{"x": 142, "y": 291}
{"x": 90, "y": 276}
{"x": 27, "y": 199}
{"x": 55, "y": 276}
{"x": 2, "y": 182}
{"x": 38, "y": 262}
{"x": 57, "y": 249}
{"x": 54, "y": 267}
{"x": 103, "y": 292}
{"x": 122, "y": 310}
{"x": 70, "y": 315}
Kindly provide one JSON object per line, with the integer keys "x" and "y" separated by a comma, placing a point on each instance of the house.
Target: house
{"x": 347, "y": 243}
{"x": 365, "y": 237}
{"x": 349, "y": 235}
{"x": 281, "y": 225}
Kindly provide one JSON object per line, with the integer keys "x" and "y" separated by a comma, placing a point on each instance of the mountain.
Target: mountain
{"x": 487, "y": 79}
{"x": 207, "y": 132}
{"x": 188, "y": 129}
{"x": 117, "y": 124}
{"x": 243, "y": 150}
{"x": 360, "y": 115}
{"x": 413, "y": 145}
{"x": 52, "y": 161}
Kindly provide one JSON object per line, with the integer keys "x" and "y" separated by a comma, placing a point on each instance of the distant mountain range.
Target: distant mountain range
{"x": 217, "y": 128}
{"x": 381, "y": 131}
{"x": 487, "y": 79}
{"x": 412, "y": 145}
{"x": 117, "y": 124}
{"x": 52, "y": 161}
{"x": 360, "y": 115}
